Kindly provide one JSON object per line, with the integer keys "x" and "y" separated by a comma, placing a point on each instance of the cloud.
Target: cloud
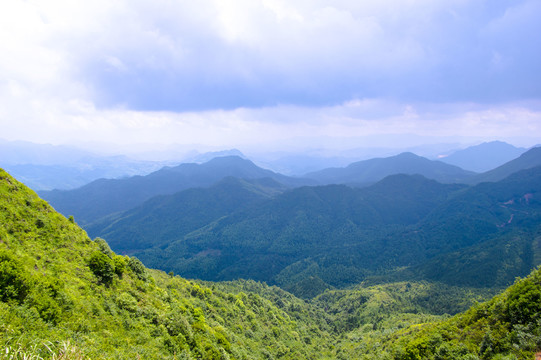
{"x": 250, "y": 71}
{"x": 180, "y": 55}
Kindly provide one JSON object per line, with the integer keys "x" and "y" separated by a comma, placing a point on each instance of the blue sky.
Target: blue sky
{"x": 255, "y": 72}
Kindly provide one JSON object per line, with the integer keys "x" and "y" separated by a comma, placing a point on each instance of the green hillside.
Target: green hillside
{"x": 333, "y": 228}
{"x": 64, "y": 296}
{"x": 506, "y": 327}
{"x": 60, "y": 291}
{"x": 165, "y": 218}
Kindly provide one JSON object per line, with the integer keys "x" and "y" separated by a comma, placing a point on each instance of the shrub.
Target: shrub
{"x": 14, "y": 284}
{"x": 102, "y": 266}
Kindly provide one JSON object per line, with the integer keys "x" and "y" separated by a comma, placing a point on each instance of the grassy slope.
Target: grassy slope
{"x": 50, "y": 295}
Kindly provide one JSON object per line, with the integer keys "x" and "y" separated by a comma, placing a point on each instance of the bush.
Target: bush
{"x": 120, "y": 265}
{"x": 138, "y": 268}
{"x": 102, "y": 266}
{"x": 14, "y": 284}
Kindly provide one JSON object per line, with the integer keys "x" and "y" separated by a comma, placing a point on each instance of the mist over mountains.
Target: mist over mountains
{"x": 62, "y": 167}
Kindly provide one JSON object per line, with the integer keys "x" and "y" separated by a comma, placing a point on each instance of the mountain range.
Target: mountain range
{"x": 336, "y": 235}
{"x": 64, "y": 296}
{"x": 104, "y": 197}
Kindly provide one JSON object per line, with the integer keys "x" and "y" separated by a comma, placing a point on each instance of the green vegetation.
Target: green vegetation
{"x": 164, "y": 218}
{"x": 64, "y": 296}
{"x": 58, "y": 286}
{"x": 310, "y": 239}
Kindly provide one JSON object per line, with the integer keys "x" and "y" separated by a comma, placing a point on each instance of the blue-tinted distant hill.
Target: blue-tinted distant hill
{"x": 107, "y": 196}
{"x": 527, "y": 160}
{"x": 484, "y": 157}
{"x": 370, "y": 171}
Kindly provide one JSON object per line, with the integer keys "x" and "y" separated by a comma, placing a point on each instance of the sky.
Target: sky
{"x": 270, "y": 73}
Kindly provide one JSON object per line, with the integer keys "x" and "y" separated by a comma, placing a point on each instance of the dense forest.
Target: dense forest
{"x": 63, "y": 295}
{"x": 312, "y": 238}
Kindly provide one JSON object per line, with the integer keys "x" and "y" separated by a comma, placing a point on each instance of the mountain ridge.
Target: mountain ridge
{"x": 373, "y": 170}
{"x": 107, "y": 196}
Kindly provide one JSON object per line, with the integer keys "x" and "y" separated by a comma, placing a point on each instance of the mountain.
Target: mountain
{"x": 337, "y": 236}
{"x": 64, "y": 296}
{"x": 165, "y": 218}
{"x": 333, "y": 225}
{"x": 527, "y": 160}
{"x": 483, "y": 157}
{"x": 107, "y": 196}
{"x": 373, "y": 170}
{"x": 205, "y": 157}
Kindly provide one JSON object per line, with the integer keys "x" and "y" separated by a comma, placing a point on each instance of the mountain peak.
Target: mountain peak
{"x": 484, "y": 157}
{"x": 373, "y": 170}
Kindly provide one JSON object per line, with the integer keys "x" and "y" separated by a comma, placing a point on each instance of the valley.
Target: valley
{"x": 252, "y": 264}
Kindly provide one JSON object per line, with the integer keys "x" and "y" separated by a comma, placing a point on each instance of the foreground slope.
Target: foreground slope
{"x": 60, "y": 291}
{"x": 506, "y": 327}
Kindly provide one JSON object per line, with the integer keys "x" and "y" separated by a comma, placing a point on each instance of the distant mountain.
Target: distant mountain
{"x": 105, "y": 196}
{"x": 335, "y": 228}
{"x": 299, "y": 164}
{"x": 166, "y": 218}
{"x": 335, "y": 235}
{"x": 202, "y": 158}
{"x": 527, "y": 160}
{"x": 483, "y": 157}
{"x": 373, "y": 170}
{"x": 23, "y": 152}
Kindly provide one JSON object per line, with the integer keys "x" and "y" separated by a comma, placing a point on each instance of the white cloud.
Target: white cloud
{"x": 79, "y": 70}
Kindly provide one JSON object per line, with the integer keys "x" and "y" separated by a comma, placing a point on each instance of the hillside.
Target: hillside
{"x": 107, "y": 196}
{"x": 323, "y": 231}
{"x": 62, "y": 292}
{"x": 506, "y": 327}
{"x": 527, "y": 160}
{"x": 165, "y": 218}
{"x": 373, "y": 170}
{"x": 483, "y": 157}
{"x": 334, "y": 236}
{"x": 63, "y": 296}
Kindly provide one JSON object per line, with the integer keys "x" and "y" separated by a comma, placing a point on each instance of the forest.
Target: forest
{"x": 66, "y": 296}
